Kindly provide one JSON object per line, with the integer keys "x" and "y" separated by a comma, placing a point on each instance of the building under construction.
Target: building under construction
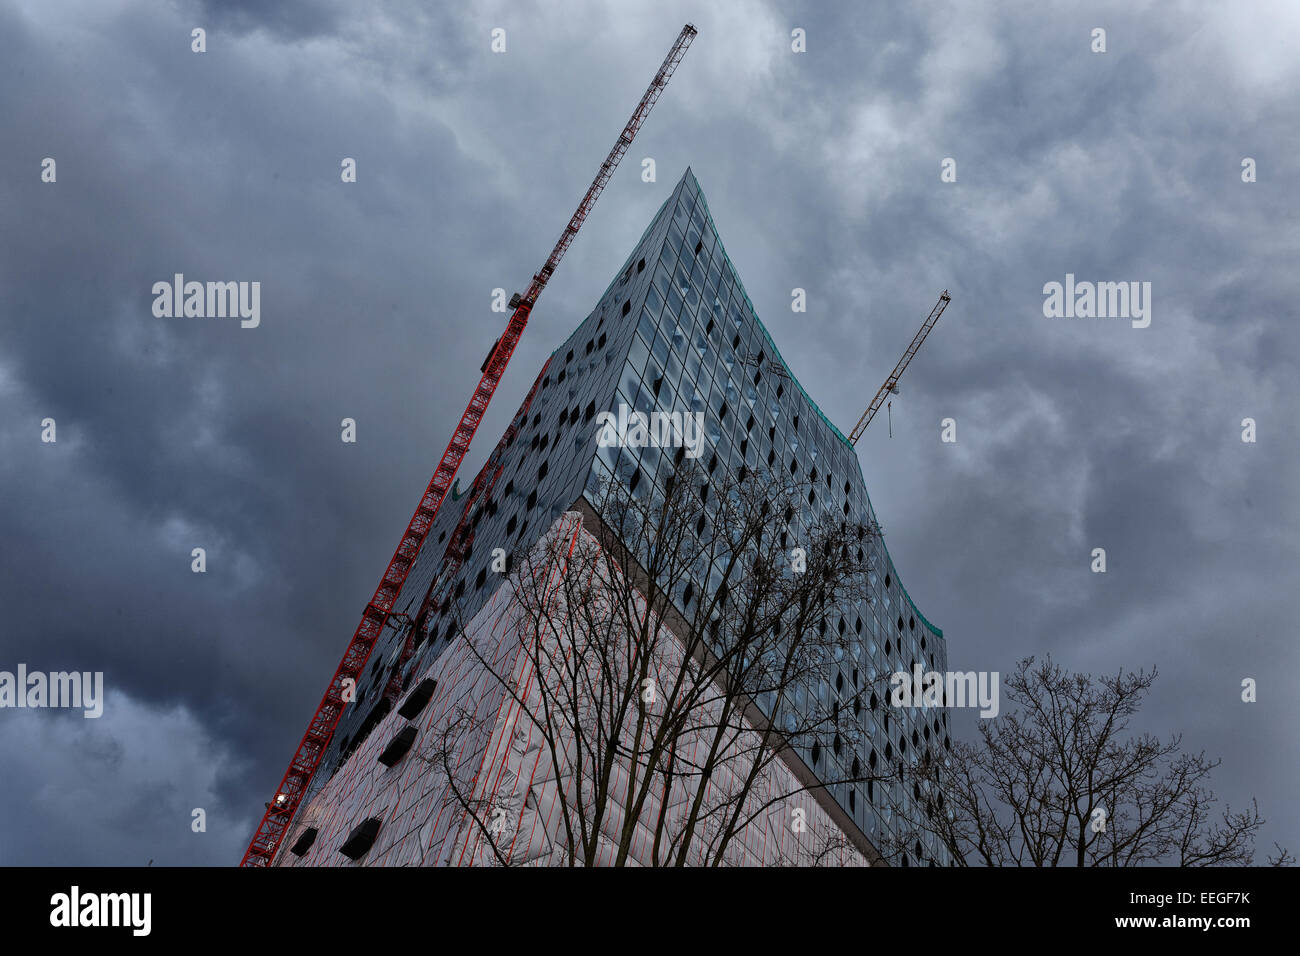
{"x": 376, "y": 781}
{"x": 649, "y": 327}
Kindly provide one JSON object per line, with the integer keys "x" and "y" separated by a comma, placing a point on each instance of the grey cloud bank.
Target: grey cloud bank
{"x": 823, "y": 169}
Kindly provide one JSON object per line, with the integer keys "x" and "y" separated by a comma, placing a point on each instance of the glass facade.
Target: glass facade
{"x": 676, "y": 331}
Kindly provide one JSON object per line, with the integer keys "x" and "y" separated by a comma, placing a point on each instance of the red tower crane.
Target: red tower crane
{"x": 280, "y": 811}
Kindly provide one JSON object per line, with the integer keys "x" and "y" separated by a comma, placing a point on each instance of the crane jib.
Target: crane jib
{"x": 302, "y": 768}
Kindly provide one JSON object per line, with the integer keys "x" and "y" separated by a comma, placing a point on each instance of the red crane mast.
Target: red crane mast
{"x": 280, "y": 811}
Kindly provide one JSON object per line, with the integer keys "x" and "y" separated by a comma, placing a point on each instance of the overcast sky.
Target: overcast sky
{"x": 822, "y": 170}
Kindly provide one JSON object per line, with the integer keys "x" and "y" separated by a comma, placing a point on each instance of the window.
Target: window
{"x": 418, "y": 699}
{"x": 361, "y": 839}
{"x": 398, "y": 747}
{"x": 304, "y": 842}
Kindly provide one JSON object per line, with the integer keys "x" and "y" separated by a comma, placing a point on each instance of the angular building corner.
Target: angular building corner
{"x": 673, "y": 331}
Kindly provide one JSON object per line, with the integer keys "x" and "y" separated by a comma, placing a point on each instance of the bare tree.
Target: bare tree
{"x": 668, "y": 659}
{"x": 1056, "y": 780}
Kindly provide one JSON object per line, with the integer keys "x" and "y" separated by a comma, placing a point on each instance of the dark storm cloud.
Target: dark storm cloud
{"x": 822, "y": 172}
{"x": 289, "y": 20}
